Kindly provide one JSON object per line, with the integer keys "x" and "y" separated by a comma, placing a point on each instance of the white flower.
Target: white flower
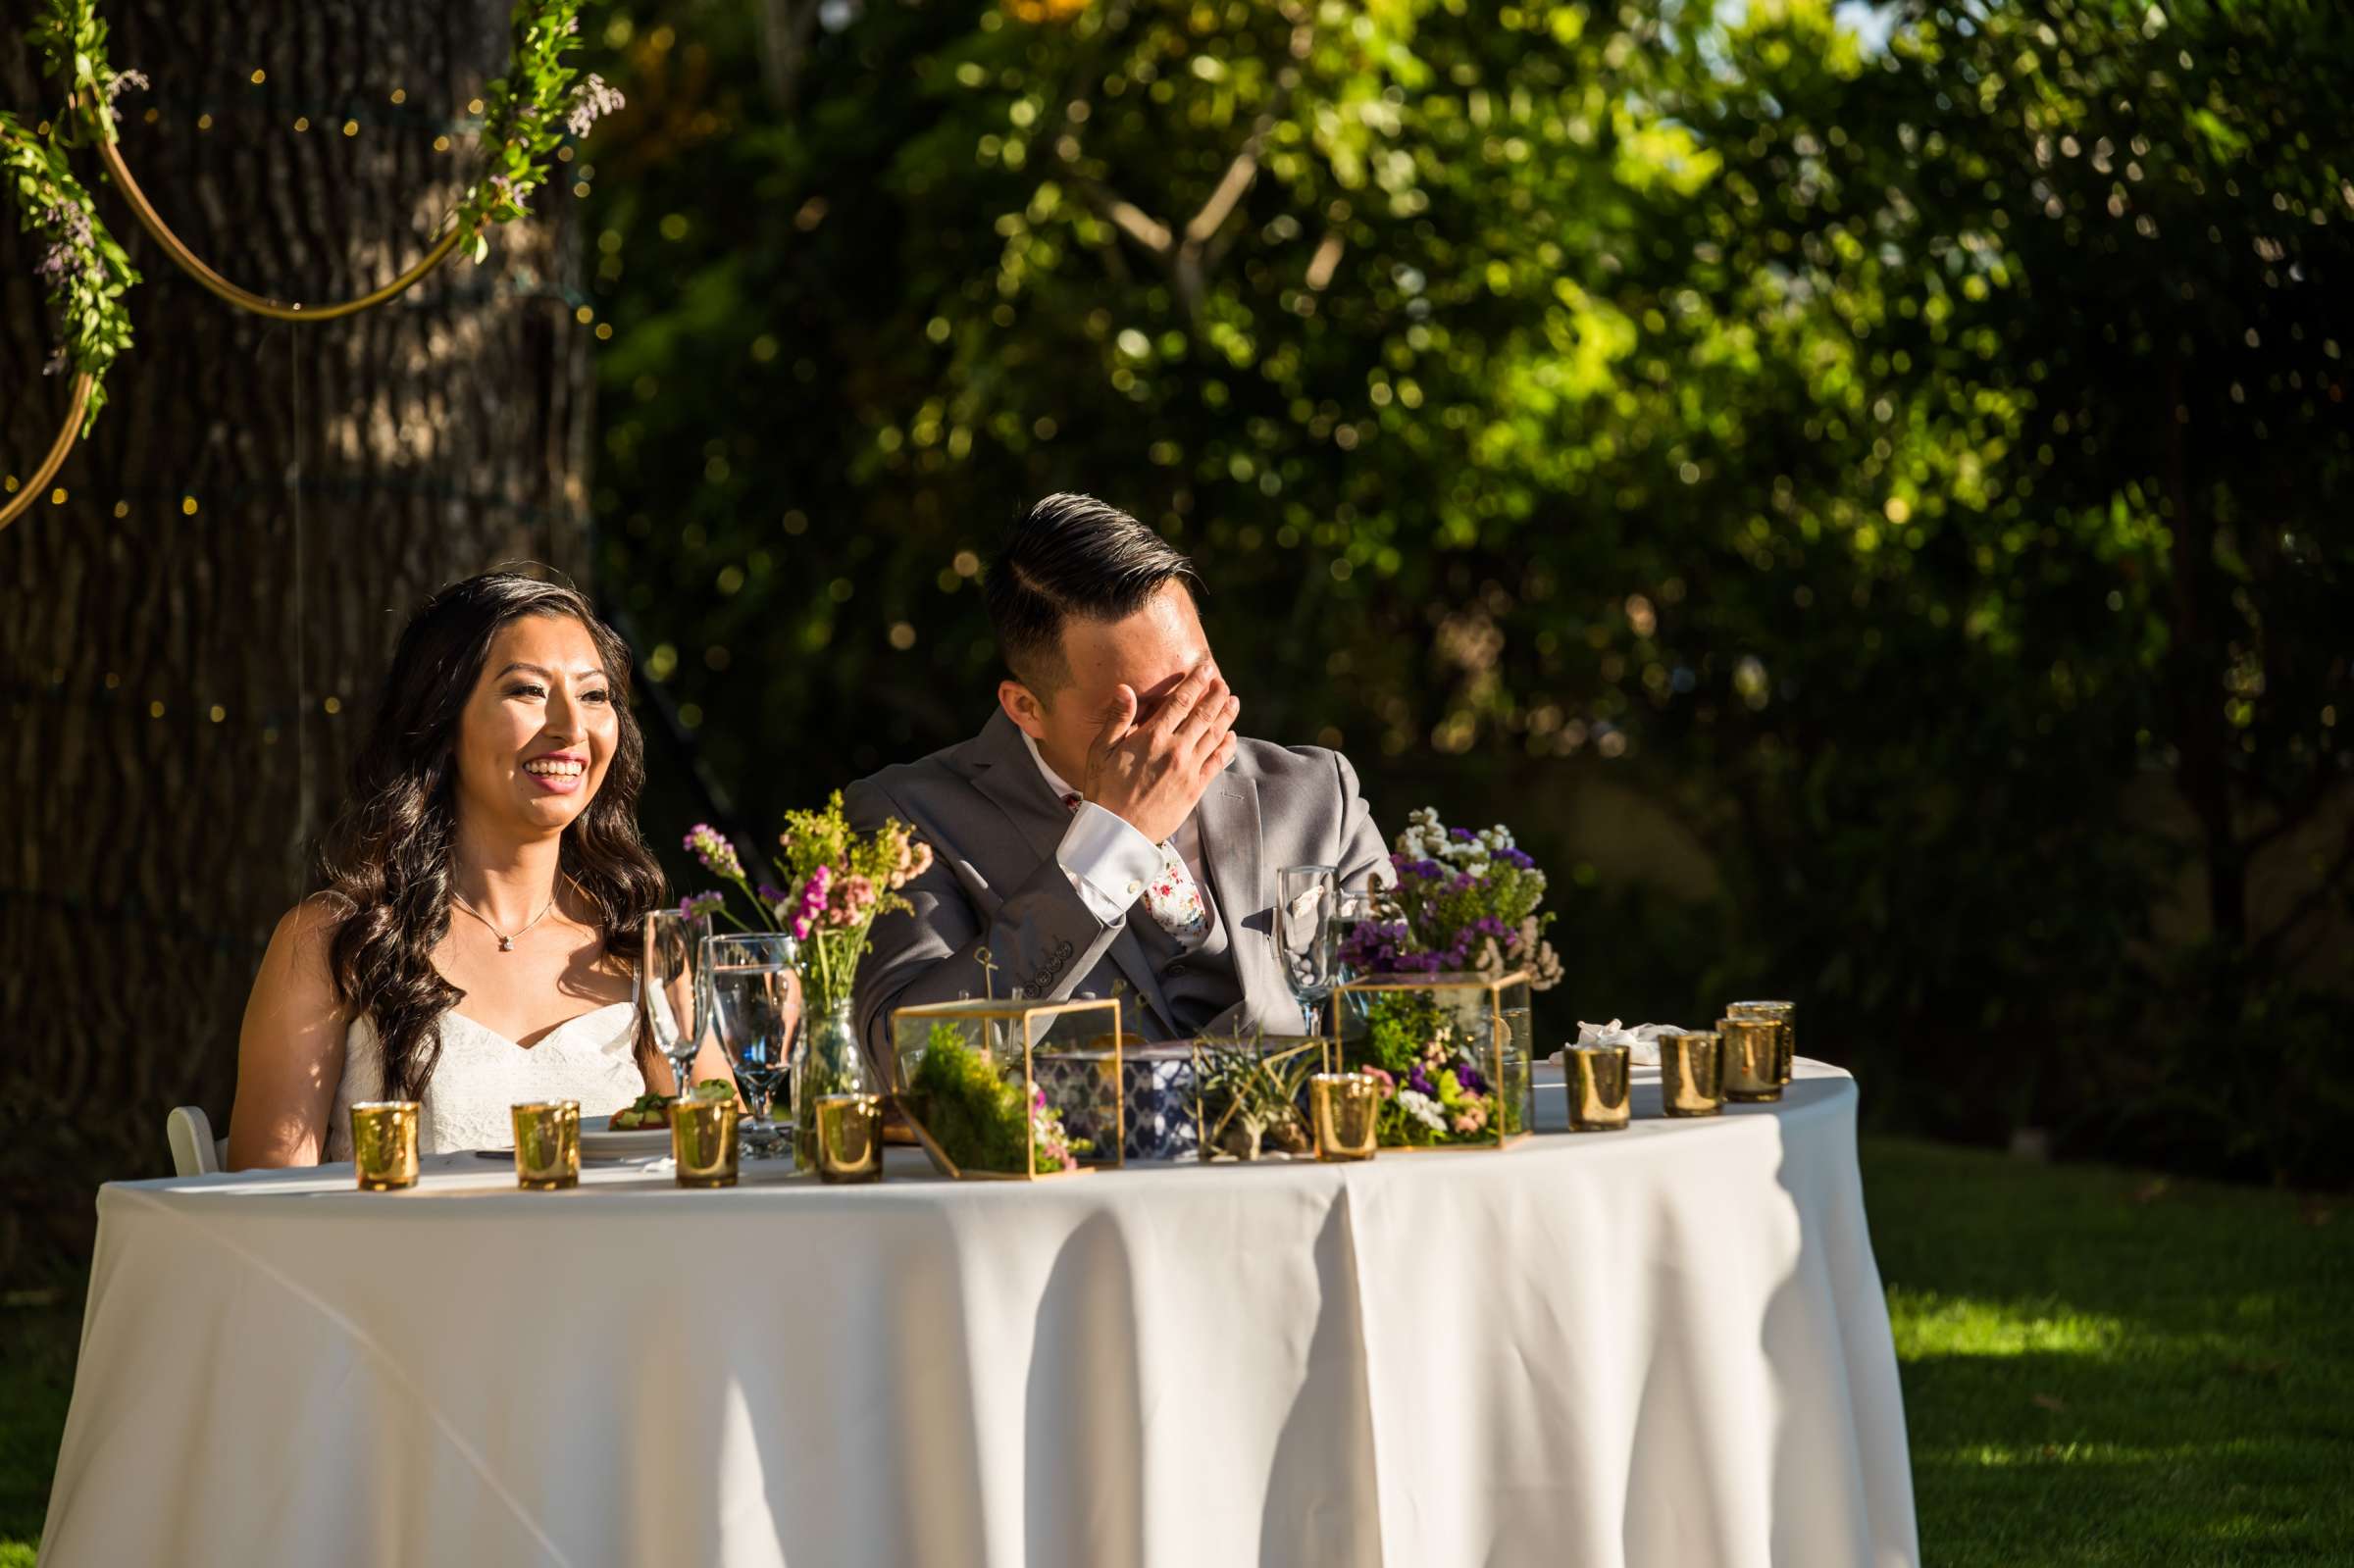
{"x": 1422, "y": 1108}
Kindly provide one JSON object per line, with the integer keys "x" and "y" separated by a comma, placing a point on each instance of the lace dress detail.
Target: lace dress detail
{"x": 483, "y": 1074}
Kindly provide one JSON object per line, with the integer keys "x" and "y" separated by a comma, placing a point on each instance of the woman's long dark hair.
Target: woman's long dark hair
{"x": 387, "y": 859}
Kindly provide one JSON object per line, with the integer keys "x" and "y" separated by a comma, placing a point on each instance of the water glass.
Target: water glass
{"x": 756, "y": 1012}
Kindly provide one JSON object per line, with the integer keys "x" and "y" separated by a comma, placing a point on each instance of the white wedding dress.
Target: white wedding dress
{"x": 483, "y": 1074}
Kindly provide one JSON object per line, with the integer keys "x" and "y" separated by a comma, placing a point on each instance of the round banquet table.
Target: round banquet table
{"x": 1664, "y": 1347}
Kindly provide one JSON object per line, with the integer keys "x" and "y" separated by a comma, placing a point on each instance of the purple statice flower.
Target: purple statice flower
{"x": 591, "y": 100}
{"x": 712, "y": 848}
{"x": 770, "y": 894}
{"x": 811, "y": 905}
{"x": 69, "y": 227}
{"x": 124, "y": 82}
{"x": 1419, "y": 1081}
{"x": 1462, "y": 835}
{"x": 703, "y": 903}
{"x": 1469, "y": 1076}
{"x": 1518, "y": 859}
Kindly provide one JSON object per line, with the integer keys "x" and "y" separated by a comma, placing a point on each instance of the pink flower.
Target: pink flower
{"x": 852, "y": 901}
{"x": 810, "y": 902}
{"x": 1389, "y": 1084}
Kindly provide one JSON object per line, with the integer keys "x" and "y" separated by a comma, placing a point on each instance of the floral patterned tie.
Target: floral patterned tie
{"x": 1170, "y": 897}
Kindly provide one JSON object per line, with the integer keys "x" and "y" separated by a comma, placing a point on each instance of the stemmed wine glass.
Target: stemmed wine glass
{"x": 756, "y": 1012}
{"x": 1305, "y": 936}
{"x": 674, "y": 993}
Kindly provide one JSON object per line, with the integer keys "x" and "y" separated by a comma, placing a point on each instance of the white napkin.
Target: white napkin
{"x": 1642, "y": 1040}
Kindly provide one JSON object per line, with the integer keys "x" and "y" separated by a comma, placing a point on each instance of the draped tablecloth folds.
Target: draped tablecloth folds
{"x": 1664, "y": 1348}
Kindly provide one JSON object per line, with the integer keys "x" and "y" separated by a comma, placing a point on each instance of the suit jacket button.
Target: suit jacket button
{"x": 1176, "y": 967}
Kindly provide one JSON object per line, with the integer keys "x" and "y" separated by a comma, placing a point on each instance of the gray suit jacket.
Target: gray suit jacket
{"x": 994, "y": 825}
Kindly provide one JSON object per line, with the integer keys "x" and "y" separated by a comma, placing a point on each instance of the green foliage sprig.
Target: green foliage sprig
{"x": 86, "y": 271}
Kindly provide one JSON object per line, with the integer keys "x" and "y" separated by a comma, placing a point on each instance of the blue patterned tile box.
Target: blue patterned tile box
{"x": 1157, "y": 1083}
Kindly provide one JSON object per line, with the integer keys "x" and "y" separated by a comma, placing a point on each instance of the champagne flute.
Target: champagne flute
{"x": 673, "y": 990}
{"x": 756, "y": 1013}
{"x": 1305, "y": 934}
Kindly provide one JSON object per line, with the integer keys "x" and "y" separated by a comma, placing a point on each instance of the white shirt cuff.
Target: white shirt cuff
{"x": 1107, "y": 861}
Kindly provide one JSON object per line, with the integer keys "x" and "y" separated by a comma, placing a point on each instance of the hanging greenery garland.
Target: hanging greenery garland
{"x": 86, "y": 275}
{"x": 526, "y": 115}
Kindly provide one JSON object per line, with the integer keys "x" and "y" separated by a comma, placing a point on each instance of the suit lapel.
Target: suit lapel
{"x": 1231, "y": 846}
{"x": 1003, "y": 772}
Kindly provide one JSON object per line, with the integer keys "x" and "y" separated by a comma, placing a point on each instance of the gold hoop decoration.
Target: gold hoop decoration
{"x": 245, "y": 298}
{"x": 529, "y": 109}
{"x": 25, "y": 497}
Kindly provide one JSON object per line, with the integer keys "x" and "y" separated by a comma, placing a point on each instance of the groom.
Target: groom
{"x": 1107, "y": 824}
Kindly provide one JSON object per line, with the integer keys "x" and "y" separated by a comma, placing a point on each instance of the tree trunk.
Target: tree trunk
{"x": 191, "y": 641}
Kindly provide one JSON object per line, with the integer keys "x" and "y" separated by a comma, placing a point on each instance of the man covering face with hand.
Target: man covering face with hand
{"x": 1108, "y": 822}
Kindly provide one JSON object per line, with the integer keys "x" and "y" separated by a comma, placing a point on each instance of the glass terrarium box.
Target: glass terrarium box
{"x": 1012, "y": 1090}
{"x": 1249, "y": 1096}
{"x": 1452, "y": 1052}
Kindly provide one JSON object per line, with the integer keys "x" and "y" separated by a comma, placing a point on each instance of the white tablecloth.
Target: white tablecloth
{"x": 1664, "y": 1347}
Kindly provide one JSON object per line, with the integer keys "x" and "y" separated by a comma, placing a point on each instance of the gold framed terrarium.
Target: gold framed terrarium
{"x": 1452, "y": 1052}
{"x": 1012, "y": 1090}
{"x": 1250, "y": 1095}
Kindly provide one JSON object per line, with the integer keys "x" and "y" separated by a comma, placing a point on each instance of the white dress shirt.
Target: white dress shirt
{"x": 1108, "y": 860}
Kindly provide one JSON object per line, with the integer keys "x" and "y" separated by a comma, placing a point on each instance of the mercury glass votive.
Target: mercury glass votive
{"x": 547, "y": 1145}
{"x": 384, "y": 1144}
{"x": 703, "y": 1141}
{"x": 1346, "y": 1111}
{"x": 1689, "y": 1080}
{"x": 1748, "y": 1052}
{"x": 1786, "y": 1015}
{"x": 1597, "y": 1079}
{"x": 850, "y": 1137}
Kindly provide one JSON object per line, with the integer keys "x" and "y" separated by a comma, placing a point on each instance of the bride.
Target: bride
{"x": 486, "y": 888}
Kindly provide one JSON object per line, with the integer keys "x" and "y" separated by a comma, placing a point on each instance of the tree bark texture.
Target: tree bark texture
{"x": 183, "y": 683}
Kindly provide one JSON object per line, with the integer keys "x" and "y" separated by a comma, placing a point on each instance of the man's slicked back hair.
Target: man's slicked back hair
{"x": 1072, "y": 557}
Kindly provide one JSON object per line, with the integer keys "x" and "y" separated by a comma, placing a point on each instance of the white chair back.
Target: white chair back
{"x": 194, "y": 1149}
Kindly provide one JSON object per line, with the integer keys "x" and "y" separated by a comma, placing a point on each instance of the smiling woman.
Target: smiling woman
{"x": 487, "y": 857}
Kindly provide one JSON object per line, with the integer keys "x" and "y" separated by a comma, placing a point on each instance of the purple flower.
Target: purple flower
{"x": 712, "y": 848}
{"x": 704, "y": 903}
{"x": 769, "y": 894}
{"x": 1469, "y": 1078}
{"x": 811, "y": 904}
{"x": 1518, "y": 859}
{"x": 1419, "y": 1081}
{"x": 1462, "y": 835}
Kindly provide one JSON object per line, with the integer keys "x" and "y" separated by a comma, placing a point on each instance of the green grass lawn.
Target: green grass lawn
{"x": 2100, "y": 1367}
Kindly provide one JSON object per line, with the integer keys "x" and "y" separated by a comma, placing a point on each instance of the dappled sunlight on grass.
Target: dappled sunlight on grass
{"x": 2100, "y": 1369}
{"x": 1931, "y": 1323}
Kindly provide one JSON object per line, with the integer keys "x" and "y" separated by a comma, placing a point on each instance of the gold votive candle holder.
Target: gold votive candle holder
{"x": 1748, "y": 1052}
{"x": 547, "y": 1144}
{"x": 1597, "y": 1078}
{"x": 1690, "y": 1083}
{"x": 1784, "y": 1014}
{"x": 384, "y": 1144}
{"x": 703, "y": 1141}
{"x": 850, "y": 1137}
{"x": 1346, "y": 1111}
